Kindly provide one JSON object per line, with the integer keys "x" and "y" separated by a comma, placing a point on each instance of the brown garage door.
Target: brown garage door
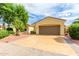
{"x": 49, "y": 30}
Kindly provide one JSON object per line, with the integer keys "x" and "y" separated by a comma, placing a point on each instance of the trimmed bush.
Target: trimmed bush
{"x": 9, "y": 29}
{"x": 3, "y": 33}
{"x": 33, "y": 32}
{"x": 11, "y": 32}
{"x": 74, "y": 31}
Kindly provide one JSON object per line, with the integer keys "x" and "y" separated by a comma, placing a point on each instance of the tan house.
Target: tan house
{"x": 48, "y": 26}
{"x": 1, "y": 26}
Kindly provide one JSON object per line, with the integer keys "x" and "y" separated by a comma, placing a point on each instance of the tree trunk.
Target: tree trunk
{"x": 8, "y": 25}
{"x": 17, "y": 32}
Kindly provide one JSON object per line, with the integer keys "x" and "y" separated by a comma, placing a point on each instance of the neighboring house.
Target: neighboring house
{"x": 49, "y": 26}
{"x": 30, "y": 28}
{"x": 0, "y": 27}
{"x": 66, "y": 29}
{"x": 5, "y": 25}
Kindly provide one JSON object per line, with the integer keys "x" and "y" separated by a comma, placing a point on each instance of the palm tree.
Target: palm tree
{"x": 18, "y": 24}
{"x": 22, "y": 14}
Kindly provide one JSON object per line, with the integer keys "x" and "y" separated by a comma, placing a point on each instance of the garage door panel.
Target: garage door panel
{"x": 49, "y": 30}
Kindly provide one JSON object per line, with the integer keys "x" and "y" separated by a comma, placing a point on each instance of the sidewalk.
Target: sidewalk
{"x": 74, "y": 41}
{"x": 74, "y": 45}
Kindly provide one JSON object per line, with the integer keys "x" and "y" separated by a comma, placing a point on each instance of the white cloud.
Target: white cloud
{"x": 64, "y": 14}
{"x": 70, "y": 18}
{"x": 48, "y": 10}
{"x": 45, "y": 9}
{"x": 69, "y": 12}
{"x": 76, "y": 7}
{"x": 42, "y": 9}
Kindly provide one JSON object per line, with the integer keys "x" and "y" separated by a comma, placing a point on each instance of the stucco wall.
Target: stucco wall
{"x": 48, "y": 22}
{"x": 30, "y": 28}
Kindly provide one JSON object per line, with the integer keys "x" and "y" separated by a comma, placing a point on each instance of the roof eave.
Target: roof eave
{"x": 47, "y": 17}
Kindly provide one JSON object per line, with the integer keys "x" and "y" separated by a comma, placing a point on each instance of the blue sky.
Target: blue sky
{"x": 37, "y": 11}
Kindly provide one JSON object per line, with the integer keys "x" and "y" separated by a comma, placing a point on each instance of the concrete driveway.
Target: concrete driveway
{"x": 46, "y": 43}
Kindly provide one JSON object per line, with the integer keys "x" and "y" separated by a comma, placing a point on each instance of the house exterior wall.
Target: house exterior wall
{"x": 30, "y": 28}
{"x": 49, "y": 22}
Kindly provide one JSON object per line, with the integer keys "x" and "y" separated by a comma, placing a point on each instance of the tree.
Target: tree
{"x": 5, "y": 12}
{"x": 18, "y": 24}
{"x": 22, "y": 14}
{"x": 74, "y": 29}
{"x": 11, "y": 12}
{"x": 2, "y": 13}
{"x": 2, "y": 10}
{"x": 8, "y": 17}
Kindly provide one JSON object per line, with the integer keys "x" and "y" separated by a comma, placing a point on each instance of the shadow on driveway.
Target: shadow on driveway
{"x": 63, "y": 39}
{"x": 59, "y": 39}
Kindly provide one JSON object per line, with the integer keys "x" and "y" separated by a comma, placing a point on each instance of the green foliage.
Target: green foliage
{"x": 14, "y": 14}
{"x": 76, "y": 21}
{"x": 5, "y": 12}
{"x": 33, "y": 32}
{"x": 18, "y": 24}
{"x": 22, "y": 14}
{"x": 9, "y": 29}
{"x": 74, "y": 31}
{"x": 2, "y": 11}
{"x": 9, "y": 11}
{"x": 4, "y": 33}
{"x": 11, "y": 32}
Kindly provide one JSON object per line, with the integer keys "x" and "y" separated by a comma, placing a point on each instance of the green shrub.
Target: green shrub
{"x": 9, "y": 29}
{"x": 4, "y": 33}
{"x": 74, "y": 31}
{"x": 33, "y": 32}
{"x": 18, "y": 24}
{"x": 11, "y": 32}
